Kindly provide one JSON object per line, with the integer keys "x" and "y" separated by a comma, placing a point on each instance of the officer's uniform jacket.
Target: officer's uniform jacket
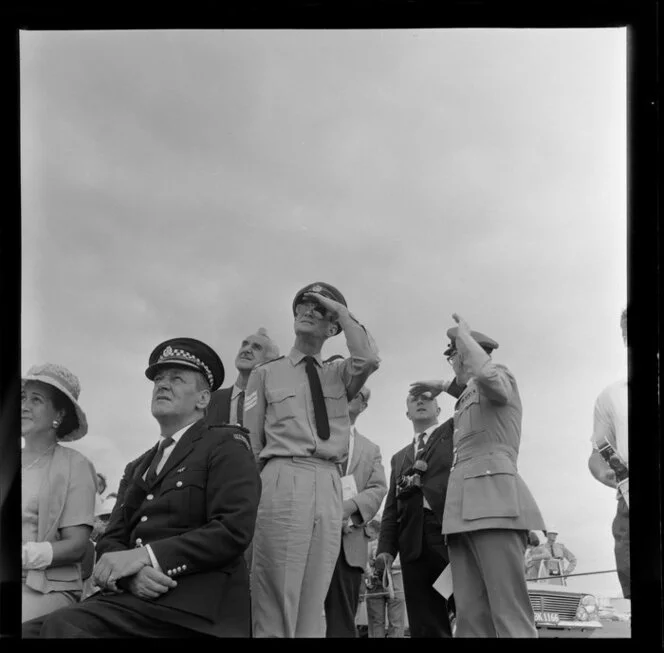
{"x": 219, "y": 408}
{"x": 198, "y": 517}
{"x": 403, "y": 520}
{"x": 367, "y": 468}
{"x": 485, "y": 490}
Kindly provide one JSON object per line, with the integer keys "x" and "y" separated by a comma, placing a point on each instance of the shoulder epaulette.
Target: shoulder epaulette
{"x": 226, "y": 425}
{"x": 270, "y": 361}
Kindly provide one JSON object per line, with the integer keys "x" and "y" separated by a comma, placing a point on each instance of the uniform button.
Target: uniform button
{"x": 150, "y": 497}
{"x": 170, "y": 572}
{"x": 179, "y": 569}
{"x": 178, "y": 484}
{"x": 144, "y": 518}
{"x": 139, "y": 541}
{"x": 488, "y": 471}
{"x": 184, "y": 567}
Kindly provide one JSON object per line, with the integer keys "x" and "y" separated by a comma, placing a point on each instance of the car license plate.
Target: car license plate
{"x": 547, "y": 618}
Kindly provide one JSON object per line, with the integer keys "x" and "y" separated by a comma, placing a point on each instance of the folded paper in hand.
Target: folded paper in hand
{"x": 443, "y": 584}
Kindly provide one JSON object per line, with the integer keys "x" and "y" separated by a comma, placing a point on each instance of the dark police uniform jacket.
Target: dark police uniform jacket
{"x": 485, "y": 490}
{"x": 219, "y": 408}
{"x": 198, "y": 517}
{"x": 403, "y": 520}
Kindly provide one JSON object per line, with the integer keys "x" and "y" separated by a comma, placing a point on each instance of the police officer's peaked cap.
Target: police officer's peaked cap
{"x": 188, "y": 353}
{"x": 321, "y": 288}
{"x": 488, "y": 344}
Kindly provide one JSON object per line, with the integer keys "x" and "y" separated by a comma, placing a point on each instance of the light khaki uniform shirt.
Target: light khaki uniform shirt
{"x": 279, "y": 411}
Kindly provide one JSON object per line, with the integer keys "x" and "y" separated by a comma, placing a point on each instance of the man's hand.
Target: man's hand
{"x": 434, "y": 387}
{"x": 334, "y": 308}
{"x": 462, "y": 324}
{"x": 119, "y": 564}
{"x": 384, "y": 560}
{"x": 601, "y": 471}
{"x": 149, "y": 583}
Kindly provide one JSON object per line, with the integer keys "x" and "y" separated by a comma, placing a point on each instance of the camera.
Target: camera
{"x": 411, "y": 482}
{"x": 374, "y": 581}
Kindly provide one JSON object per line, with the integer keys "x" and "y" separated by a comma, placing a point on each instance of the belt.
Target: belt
{"x": 308, "y": 461}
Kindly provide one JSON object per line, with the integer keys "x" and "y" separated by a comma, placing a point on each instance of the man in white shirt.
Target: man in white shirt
{"x": 364, "y": 486}
{"x": 412, "y": 518}
{"x": 609, "y": 461}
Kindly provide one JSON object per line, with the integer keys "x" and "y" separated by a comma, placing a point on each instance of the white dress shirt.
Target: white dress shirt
{"x": 425, "y": 439}
{"x": 167, "y": 452}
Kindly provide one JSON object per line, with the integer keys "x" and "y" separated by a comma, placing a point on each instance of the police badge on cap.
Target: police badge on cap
{"x": 188, "y": 353}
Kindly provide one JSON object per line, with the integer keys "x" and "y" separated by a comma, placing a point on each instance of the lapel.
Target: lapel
{"x": 357, "y": 453}
{"x": 52, "y": 493}
{"x": 407, "y": 459}
{"x": 142, "y": 467}
{"x": 182, "y": 449}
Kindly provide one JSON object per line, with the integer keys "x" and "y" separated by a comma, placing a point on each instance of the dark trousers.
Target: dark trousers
{"x": 98, "y": 617}
{"x": 621, "y": 549}
{"x": 342, "y": 599}
{"x": 489, "y": 581}
{"x": 427, "y": 609}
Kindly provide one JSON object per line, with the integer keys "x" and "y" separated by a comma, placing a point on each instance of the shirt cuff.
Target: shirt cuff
{"x": 153, "y": 559}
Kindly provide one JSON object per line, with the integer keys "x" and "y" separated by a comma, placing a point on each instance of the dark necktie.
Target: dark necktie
{"x": 152, "y": 471}
{"x": 320, "y": 411}
{"x": 420, "y": 446}
{"x": 240, "y": 407}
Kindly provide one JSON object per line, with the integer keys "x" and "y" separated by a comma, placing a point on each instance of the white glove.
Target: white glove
{"x": 37, "y": 555}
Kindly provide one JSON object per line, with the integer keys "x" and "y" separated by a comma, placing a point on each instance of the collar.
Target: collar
{"x": 178, "y": 434}
{"x": 235, "y": 391}
{"x": 427, "y": 433}
{"x": 296, "y": 356}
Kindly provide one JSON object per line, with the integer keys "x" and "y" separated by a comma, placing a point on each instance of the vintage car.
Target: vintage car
{"x": 561, "y": 611}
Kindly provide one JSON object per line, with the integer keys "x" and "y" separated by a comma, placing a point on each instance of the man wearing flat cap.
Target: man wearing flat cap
{"x": 488, "y": 509}
{"x": 170, "y": 563}
{"x": 296, "y": 410}
{"x": 227, "y": 404}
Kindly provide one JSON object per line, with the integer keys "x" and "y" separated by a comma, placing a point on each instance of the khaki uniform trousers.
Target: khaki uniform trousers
{"x": 296, "y": 545}
{"x": 489, "y": 580}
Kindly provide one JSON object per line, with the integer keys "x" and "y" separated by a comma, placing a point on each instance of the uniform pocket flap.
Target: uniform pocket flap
{"x": 63, "y": 574}
{"x": 279, "y": 394}
{"x": 334, "y": 392}
{"x": 489, "y": 466}
{"x": 195, "y": 477}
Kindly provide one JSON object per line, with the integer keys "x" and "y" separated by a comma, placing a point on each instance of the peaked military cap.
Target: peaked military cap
{"x": 324, "y": 289}
{"x": 488, "y": 344}
{"x": 189, "y": 353}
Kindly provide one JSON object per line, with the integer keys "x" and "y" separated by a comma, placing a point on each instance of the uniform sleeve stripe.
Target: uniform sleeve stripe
{"x": 250, "y": 404}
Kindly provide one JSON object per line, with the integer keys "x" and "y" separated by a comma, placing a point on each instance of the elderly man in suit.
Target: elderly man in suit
{"x": 227, "y": 404}
{"x": 488, "y": 509}
{"x": 413, "y": 515}
{"x": 171, "y": 560}
{"x": 364, "y": 476}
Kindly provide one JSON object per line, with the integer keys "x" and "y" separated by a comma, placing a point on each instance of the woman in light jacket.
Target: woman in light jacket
{"x": 58, "y": 489}
{"x": 535, "y": 553}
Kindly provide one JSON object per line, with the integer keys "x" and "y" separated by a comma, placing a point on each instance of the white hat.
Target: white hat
{"x": 552, "y": 529}
{"x": 63, "y": 380}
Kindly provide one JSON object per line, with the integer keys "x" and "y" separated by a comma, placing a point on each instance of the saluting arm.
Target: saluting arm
{"x": 364, "y": 359}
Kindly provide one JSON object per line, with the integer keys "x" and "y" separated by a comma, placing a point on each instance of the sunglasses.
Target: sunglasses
{"x": 316, "y": 309}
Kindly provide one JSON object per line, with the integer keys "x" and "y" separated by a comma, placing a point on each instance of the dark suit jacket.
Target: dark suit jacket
{"x": 402, "y": 524}
{"x": 198, "y": 517}
{"x": 219, "y": 408}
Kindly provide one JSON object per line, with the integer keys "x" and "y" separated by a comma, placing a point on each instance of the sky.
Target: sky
{"x": 189, "y": 183}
